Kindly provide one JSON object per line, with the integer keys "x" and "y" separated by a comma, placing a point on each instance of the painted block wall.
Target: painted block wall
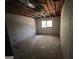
{"x": 19, "y": 27}
{"x": 54, "y": 30}
{"x": 66, "y": 31}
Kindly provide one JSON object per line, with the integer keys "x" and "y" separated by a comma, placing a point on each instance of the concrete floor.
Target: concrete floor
{"x": 9, "y": 57}
{"x": 38, "y": 47}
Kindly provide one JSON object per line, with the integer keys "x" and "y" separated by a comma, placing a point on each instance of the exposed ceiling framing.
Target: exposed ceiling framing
{"x": 43, "y": 8}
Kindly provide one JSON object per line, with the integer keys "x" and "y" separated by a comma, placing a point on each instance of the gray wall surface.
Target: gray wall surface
{"x": 67, "y": 29}
{"x": 19, "y": 27}
{"x": 55, "y": 29}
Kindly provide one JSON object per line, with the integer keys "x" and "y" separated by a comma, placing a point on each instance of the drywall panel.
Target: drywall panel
{"x": 19, "y": 27}
{"x": 55, "y": 29}
{"x": 67, "y": 29}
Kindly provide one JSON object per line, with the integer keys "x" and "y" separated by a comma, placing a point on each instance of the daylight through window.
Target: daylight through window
{"x": 46, "y": 23}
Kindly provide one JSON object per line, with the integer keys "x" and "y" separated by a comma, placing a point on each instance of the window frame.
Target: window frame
{"x": 46, "y": 25}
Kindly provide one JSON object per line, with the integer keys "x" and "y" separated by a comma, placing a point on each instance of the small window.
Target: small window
{"x": 49, "y": 23}
{"x": 43, "y": 23}
{"x": 46, "y": 23}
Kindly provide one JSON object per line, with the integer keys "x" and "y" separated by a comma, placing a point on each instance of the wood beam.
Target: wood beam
{"x": 48, "y": 7}
{"x": 42, "y": 10}
{"x": 54, "y": 9}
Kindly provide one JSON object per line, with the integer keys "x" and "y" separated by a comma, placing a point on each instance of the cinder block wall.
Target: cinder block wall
{"x": 19, "y": 27}
{"x": 54, "y": 30}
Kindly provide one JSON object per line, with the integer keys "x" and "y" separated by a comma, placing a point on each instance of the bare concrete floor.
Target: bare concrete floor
{"x": 39, "y": 47}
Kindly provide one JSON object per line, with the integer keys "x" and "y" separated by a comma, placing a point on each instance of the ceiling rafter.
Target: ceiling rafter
{"x": 43, "y": 8}
{"x": 48, "y": 7}
{"x": 54, "y": 9}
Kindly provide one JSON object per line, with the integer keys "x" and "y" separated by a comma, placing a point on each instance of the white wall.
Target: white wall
{"x": 67, "y": 29}
{"x": 55, "y": 29}
{"x": 19, "y": 27}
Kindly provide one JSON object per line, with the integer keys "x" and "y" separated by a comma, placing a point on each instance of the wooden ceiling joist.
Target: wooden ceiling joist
{"x": 49, "y": 8}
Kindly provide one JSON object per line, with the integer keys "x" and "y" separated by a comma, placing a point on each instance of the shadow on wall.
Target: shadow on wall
{"x": 8, "y": 50}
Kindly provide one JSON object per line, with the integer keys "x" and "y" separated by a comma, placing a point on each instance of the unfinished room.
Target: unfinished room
{"x": 38, "y": 29}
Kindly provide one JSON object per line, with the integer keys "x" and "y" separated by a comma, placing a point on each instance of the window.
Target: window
{"x": 46, "y": 23}
{"x": 43, "y": 23}
{"x": 49, "y": 23}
